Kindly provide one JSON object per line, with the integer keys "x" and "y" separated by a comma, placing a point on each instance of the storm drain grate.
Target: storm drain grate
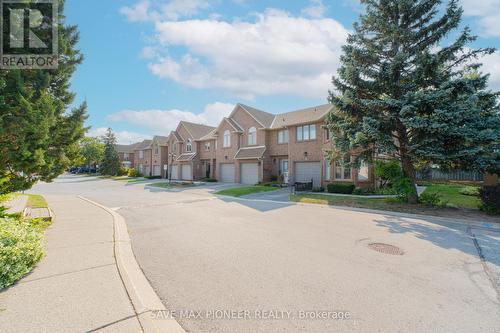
{"x": 386, "y": 249}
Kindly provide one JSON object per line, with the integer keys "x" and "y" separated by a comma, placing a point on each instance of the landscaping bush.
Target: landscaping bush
{"x": 490, "y": 198}
{"x": 363, "y": 191}
{"x": 134, "y": 173}
{"x": 470, "y": 190}
{"x": 210, "y": 180}
{"x": 430, "y": 199}
{"x": 153, "y": 177}
{"x": 123, "y": 171}
{"x": 274, "y": 178}
{"x": 340, "y": 188}
{"x": 388, "y": 171}
{"x": 318, "y": 189}
{"x": 21, "y": 248}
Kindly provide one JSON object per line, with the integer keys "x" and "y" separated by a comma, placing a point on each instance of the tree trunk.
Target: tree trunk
{"x": 409, "y": 172}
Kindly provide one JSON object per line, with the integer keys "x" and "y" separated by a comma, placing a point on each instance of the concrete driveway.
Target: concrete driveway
{"x": 293, "y": 268}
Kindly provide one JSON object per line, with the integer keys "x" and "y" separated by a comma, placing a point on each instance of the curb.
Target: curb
{"x": 142, "y": 295}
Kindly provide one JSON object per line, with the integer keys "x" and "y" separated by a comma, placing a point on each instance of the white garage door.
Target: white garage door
{"x": 156, "y": 170}
{"x": 187, "y": 172}
{"x": 227, "y": 173}
{"x": 305, "y": 171}
{"x": 175, "y": 172}
{"x": 249, "y": 173}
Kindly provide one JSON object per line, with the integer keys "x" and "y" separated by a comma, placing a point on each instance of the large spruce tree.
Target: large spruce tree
{"x": 110, "y": 165}
{"x": 39, "y": 136}
{"x": 410, "y": 86}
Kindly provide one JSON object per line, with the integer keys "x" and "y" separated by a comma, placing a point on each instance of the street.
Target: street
{"x": 293, "y": 267}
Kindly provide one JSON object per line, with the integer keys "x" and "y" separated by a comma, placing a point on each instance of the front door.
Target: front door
{"x": 284, "y": 170}
{"x": 207, "y": 170}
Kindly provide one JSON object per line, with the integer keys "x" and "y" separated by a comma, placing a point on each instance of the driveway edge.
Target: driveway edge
{"x": 143, "y": 297}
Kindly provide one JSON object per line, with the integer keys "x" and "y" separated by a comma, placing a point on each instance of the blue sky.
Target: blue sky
{"x": 150, "y": 64}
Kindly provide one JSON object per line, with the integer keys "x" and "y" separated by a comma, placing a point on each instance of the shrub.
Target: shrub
{"x": 388, "y": 171}
{"x": 340, "y": 188}
{"x": 134, "y": 173}
{"x": 274, "y": 178}
{"x": 363, "y": 191}
{"x": 430, "y": 199}
{"x": 490, "y": 198}
{"x": 402, "y": 187}
{"x": 123, "y": 171}
{"x": 470, "y": 190}
{"x": 210, "y": 180}
{"x": 318, "y": 189}
{"x": 21, "y": 247}
{"x": 153, "y": 177}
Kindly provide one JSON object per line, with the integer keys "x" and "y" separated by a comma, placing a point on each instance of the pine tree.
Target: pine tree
{"x": 401, "y": 91}
{"x": 110, "y": 165}
{"x": 38, "y": 135}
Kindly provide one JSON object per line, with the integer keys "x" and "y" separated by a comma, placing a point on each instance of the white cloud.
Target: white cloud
{"x": 161, "y": 122}
{"x": 491, "y": 65}
{"x": 276, "y": 54}
{"x": 487, "y": 13}
{"x": 154, "y": 10}
{"x": 316, "y": 10}
{"x": 122, "y": 137}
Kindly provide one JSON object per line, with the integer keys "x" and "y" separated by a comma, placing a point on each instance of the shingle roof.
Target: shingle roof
{"x": 176, "y": 135}
{"x": 143, "y": 145}
{"x": 266, "y": 119}
{"x": 162, "y": 140}
{"x": 186, "y": 157}
{"x": 250, "y": 153}
{"x": 197, "y": 130}
{"x": 126, "y": 148}
{"x": 303, "y": 116}
{"x": 209, "y": 136}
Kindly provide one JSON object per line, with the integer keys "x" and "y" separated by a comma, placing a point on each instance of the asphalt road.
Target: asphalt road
{"x": 279, "y": 267}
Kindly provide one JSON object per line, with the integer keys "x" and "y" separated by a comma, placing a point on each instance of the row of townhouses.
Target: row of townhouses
{"x": 248, "y": 147}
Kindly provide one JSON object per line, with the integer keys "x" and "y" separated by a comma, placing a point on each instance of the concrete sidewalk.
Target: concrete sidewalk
{"x": 77, "y": 286}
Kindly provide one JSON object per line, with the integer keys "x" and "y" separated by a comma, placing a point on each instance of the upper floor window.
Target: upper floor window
{"x": 252, "y": 136}
{"x": 327, "y": 134}
{"x": 157, "y": 150}
{"x": 141, "y": 153}
{"x": 189, "y": 146}
{"x": 125, "y": 156}
{"x": 306, "y": 132}
{"x": 363, "y": 173}
{"x": 227, "y": 139}
{"x": 207, "y": 146}
{"x": 342, "y": 169}
{"x": 283, "y": 136}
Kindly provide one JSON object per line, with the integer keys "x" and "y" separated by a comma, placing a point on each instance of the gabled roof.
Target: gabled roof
{"x": 209, "y": 136}
{"x": 196, "y": 131}
{"x": 146, "y": 144}
{"x": 176, "y": 136}
{"x": 303, "y": 116}
{"x": 247, "y": 153}
{"x": 185, "y": 157}
{"x": 161, "y": 140}
{"x": 126, "y": 148}
{"x": 237, "y": 128}
{"x": 262, "y": 117}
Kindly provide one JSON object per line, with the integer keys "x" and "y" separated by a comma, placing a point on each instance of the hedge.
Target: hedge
{"x": 340, "y": 188}
{"x": 21, "y": 248}
{"x": 490, "y": 198}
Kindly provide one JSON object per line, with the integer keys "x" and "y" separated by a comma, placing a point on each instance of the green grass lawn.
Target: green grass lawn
{"x": 381, "y": 204}
{"x": 36, "y": 201}
{"x": 246, "y": 190}
{"x": 451, "y": 196}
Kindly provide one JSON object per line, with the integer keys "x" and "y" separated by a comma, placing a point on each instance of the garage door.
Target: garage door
{"x": 175, "y": 172}
{"x": 305, "y": 171}
{"x": 156, "y": 170}
{"x": 187, "y": 172}
{"x": 227, "y": 173}
{"x": 249, "y": 173}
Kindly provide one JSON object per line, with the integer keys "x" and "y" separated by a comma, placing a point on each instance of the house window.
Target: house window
{"x": 342, "y": 169}
{"x": 363, "y": 173}
{"x": 252, "y": 136}
{"x": 125, "y": 156}
{"x": 141, "y": 153}
{"x": 207, "y": 146}
{"x": 283, "y": 136}
{"x": 327, "y": 134}
{"x": 227, "y": 139}
{"x": 174, "y": 147}
{"x": 189, "y": 146}
{"x": 306, "y": 132}
{"x": 328, "y": 173}
{"x": 157, "y": 150}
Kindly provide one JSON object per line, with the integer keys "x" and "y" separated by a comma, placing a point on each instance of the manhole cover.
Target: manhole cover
{"x": 386, "y": 249}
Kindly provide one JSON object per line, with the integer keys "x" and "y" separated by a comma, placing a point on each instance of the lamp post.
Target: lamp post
{"x": 172, "y": 156}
